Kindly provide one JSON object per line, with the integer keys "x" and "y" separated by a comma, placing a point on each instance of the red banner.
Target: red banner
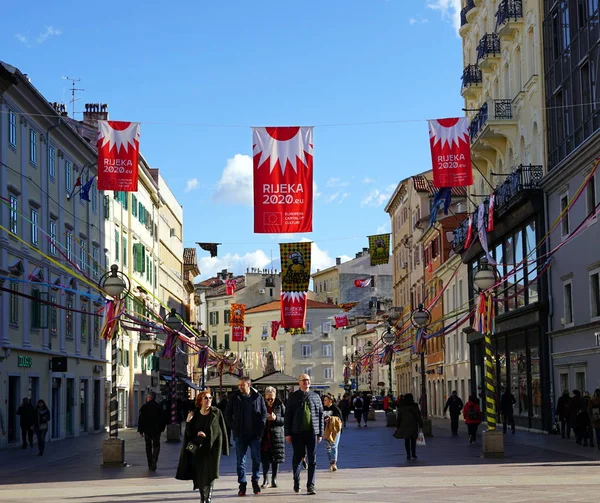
{"x": 293, "y": 309}
{"x": 362, "y": 283}
{"x": 230, "y": 286}
{"x": 237, "y": 333}
{"x": 451, "y": 152}
{"x": 341, "y": 320}
{"x": 283, "y": 179}
{"x": 275, "y": 325}
{"x": 118, "y": 149}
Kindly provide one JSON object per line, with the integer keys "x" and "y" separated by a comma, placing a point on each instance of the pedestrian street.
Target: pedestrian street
{"x": 372, "y": 467}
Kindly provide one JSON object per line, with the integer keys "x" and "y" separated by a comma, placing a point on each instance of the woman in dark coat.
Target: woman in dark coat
{"x": 345, "y": 407}
{"x": 272, "y": 445}
{"x": 205, "y": 427}
{"x": 408, "y": 423}
{"x": 40, "y": 425}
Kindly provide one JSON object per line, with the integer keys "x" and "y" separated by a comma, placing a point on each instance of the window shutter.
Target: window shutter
{"x": 134, "y": 207}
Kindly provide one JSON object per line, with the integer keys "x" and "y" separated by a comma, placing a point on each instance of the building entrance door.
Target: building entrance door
{"x": 56, "y": 406}
{"x": 14, "y": 399}
{"x": 69, "y": 419}
{"x": 83, "y": 405}
{"x": 97, "y": 391}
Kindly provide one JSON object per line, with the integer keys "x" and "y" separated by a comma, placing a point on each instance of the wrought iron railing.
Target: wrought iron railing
{"x": 463, "y": 13}
{"x": 489, "y": 45}
{"x": 502, "y": 110}
{"x": 471, "y": 76}
{"x": 509, "y": 10}
{"x": 526, "y": 177}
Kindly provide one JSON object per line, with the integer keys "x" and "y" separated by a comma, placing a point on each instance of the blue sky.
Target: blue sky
{"x": 179, "y": 67}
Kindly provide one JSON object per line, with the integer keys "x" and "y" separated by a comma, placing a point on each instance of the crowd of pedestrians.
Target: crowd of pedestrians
{"x": 580, "y": 414}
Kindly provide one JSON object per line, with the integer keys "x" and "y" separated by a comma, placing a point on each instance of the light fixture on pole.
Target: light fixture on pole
{"x": 420, "y": 318}
{"x": 388, "y": 338}
{"x": 221, "y": 353}
{"x": 116, "y": 285}
{"x": 486, "y": 275}
{"x": 174, "y": 322}
{"x": 203, "y": 341}
{"x": 368, "y": 349}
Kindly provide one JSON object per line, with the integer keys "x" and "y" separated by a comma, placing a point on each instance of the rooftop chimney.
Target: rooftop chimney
{"x": 60, "y": 108}
{"x": 95, "y": 112}
{"x": 338, "y": 260}
{"x": 365, "y": 251}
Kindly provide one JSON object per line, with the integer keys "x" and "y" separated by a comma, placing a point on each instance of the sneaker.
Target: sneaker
{"x": 255, "y": 487}
{"x": 334, "y": 467}
{"x": 242, "y": 491}
{"x": 359, "y": 425}
{"x": 414, "y": 456}
{"x": 311, "y": 491}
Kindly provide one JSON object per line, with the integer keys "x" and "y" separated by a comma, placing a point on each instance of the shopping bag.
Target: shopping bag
{"x": 421, "y": 439}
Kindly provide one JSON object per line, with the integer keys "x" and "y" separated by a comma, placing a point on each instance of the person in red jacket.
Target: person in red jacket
{"x": 472, "y": 415}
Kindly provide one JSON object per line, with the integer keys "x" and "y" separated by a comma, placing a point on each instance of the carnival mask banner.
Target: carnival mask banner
{"x": 236, "y": 314}
{"x": 295, "y": 266}
{"x": 118, "y": 150}
{"x": 237, "y": 333}
{"x": 293, "y": 309}
{"x": 379, "y": 249}
{"x": 283, "y": 179}
{"x": 451, "y": 152}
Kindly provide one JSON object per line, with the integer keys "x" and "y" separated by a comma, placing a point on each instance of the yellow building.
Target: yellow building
{"x": 326, "y": 284}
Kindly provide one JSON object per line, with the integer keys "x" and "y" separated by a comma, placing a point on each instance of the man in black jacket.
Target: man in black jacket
{"x": 246, "y": 415}
{"x": 507, "y": 401}
{"x": 26, "y": 412}
{"x": 304, "y": 430}
{"x": 151, "y": 423}
{"x": 455, "y": 405}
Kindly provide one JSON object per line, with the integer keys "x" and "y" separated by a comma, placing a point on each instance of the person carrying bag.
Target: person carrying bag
{"x": 409, "y": 422}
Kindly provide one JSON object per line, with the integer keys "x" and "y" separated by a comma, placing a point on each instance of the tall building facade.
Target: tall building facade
{"x": 503, "y": 88}
{"x": 572, "y": 85}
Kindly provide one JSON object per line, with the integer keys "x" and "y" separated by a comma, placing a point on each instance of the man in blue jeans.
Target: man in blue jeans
{"x": 246, "y": 414}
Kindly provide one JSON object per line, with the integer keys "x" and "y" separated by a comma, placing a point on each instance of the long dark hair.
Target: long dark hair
{"x": 40, "y": 401}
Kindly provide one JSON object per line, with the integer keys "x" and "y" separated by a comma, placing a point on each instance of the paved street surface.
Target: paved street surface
{"x": 372, "y": 468}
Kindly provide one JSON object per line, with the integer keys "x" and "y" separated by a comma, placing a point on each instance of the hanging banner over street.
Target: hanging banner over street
{"x": 230, "y": 285}
{"x": 295, "y": 266}
{"x": 379, "y": 249}
{"x": 118, "y": 150}
{"x": 293, "y": 309}
{"x": 341, "y": 320}
{"x": 451, "y": 152}
{"x": 283, "y": 179}
{"x": 236, "y": 314}
{"x": 237, "y": 333}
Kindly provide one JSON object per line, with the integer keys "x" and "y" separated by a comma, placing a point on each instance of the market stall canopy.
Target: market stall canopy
{"x": 229, "y": 381}
{"x": 276, "y": 379}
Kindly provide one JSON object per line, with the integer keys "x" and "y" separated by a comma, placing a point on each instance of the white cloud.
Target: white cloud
{"x": 383, "y": 229}
{"x": 378, "y": 197}
{"x": 316, "y": 193}
{"x": 338, "y": 197}
{"x": 22, "y": 38}
{"x": 421, "y": 20}
{"x": 336, "y": 182}
{"x": 191, "y": 184}
{"x": 367, "y": 180}
{"x": 232, "y": 262}
{"x": 320, "y": 259}
{"x": 50, "y": 31}
{"x": 450, "y": 9}
{"x": 235, "y": 185}
{"x": 342, "y": 197}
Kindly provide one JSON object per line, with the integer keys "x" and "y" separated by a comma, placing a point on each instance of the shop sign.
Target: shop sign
{"x": 25, "y": 361}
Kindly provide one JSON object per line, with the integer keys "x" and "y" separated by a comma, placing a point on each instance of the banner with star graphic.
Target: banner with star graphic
{"x": 451, "y": 152}
{"x": 283, "y": 179}
{"x": 118, "y": 149}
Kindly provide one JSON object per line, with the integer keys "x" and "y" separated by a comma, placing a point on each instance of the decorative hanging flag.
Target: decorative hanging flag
{"x": 230, "y": 285}
{"x": 248, "y": 330}
{"x": 469, "y": 237}
{"x": 236, "y": 314}
{"x": 442, "y": 197}
{"x": 293, "y": 309}
{"x": 237, "y": 333}
{"x": 210, "y": 247}
{"x": 341, "y": 320}
{"x": 430, "y": 267}
{"x": 295, "y": 266}
{"x": 490, "y": 222}
{"x": 348, "y": 305}
{"x": 275, "y": 326}
{"x": 84, "y": 193}
{"x": 118, "y": 149}
{"x": 379, "y": 249}
{"x": 481, "y": 233}
{"x": 283, "y": 179}
{"x": 361, "y": 283}
{"x": 451, "y": 152}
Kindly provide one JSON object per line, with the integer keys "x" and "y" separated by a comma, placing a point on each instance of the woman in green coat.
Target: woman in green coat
{"x": 409, "y": 422}
{"x": 205, "y": 428}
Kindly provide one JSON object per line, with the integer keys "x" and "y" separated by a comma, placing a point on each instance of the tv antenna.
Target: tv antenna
{"x": 73, "y": 91}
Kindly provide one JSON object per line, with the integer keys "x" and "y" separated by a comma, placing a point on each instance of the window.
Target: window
{"x": 95, "y": 264}
{"x": 564, "y": 204}
{"x": 106, "y": 207}
{"x": 68, "y": 177}
{"x": 139, "y": 258}
{"x": 568, "y": 302}
{"x": 226, "y": 344}
{"x": 124, "y": 251}
{"x": 226, "y": 316}
{"x": 39, "y": 309}
{"x": 83, "y": 256}
{"x": 306, "y": 350}
{"x": 14, "y": 303}
{"x": 53, "y": 316}
{"x": 214, "y": 341}
{"x": 328, "y": 373}
{"x": 307, "y": 371}
{"x": 34, "y": 227}
{"x": 591, "y": 196}
{"x": 14, "y": 208}
{"x": 12, "y": 129}
{"x": 117, "y": 245}
{"x": 33, "y": 146}
{"x": 134, "y": 208}
{"x": 52, "y": 162}
{"x": 328, "y": 350}
{"x": 595, "y": 293}
{"x": 308, "y": 327}
{"x": 580, "y": 380}
{"x": 69, "y": 316}
{"x": 326, "y": 327}
{"x": 84, "y": 324}
{"x": 564, "y": 381}
{"x": 69, "y": 245}
{"x": 213, "y": 318}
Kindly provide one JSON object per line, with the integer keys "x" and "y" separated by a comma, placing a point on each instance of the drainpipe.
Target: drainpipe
{"x": 550, "y": 314}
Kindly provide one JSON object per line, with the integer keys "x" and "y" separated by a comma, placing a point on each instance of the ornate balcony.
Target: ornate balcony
{"x": 501, "y": 110}
{"x": 488, "y": 50}
{"x": 520, "y": 183}
{"x": 508, "y": 16}
{"x": 149, "y": 343}
{"x": 464, "y": 19}
{"x": 471, "y": 77}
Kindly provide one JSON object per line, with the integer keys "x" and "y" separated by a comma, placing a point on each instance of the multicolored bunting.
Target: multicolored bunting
{"x": 490, "y": 222}
{"x": 295, "y": 266}
{"x": 451, "y": 152}
{"x": 379, "y": 249}
{"x": 361, "y": 283}
{"x": 230, "y": 285}
{"x": 118, "y": 150}
{"x": 293, "y": 309}
{"x": 275, "y": 326}
{"x": 283, "y": 179}
{"x": 341, "y": 320}
{"x": 236, "y": 315}
{"x": 237, "y": 333}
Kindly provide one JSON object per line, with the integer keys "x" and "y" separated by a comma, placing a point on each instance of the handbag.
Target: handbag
{"x": 397, "y": 434}
{"x": 191, "y": 447}
{"x": 421, "y": 439}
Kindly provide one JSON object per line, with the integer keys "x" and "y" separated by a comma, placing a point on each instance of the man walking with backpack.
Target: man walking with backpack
{"x": 358, "y": 409}
{"x": 455, "y": 405}
{"x": 151, "y": 423}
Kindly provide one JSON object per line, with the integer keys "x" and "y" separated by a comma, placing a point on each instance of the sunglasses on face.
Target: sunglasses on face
{"x": 208, "y": 398}
{"x": 304, "y": 380}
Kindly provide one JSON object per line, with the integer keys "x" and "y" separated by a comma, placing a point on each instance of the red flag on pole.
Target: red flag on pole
{"x": 118, "y": 150}
{"x": 451, "y": 152}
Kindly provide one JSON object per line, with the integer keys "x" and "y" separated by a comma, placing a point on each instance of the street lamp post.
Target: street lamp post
{"x": 484, "y": 279}
{"x": 221, "y": 353}
{"x": 369, "y": 351}
{"x": 355, "y": 359}
{"x": 203, "y": 340}
{"x": 116, "y": 285}
{"x": 388, "y": 339}
{"x": 347, "y": 388}
{"x": 240, "y": 366}
{"x": 173, "y": 322}
{"x": 420, "y": 318}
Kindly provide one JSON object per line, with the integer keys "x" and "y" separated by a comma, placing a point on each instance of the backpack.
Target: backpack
{"x": 473, "y": 414}
{"x": 358, "y": 403}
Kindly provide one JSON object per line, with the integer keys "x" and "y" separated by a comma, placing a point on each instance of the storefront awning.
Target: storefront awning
{"x": 189, "y": 383}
